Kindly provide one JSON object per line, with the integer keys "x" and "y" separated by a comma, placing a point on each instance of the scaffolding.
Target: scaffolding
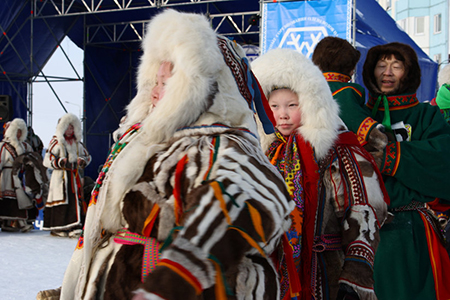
{"x": 241, "y": 25}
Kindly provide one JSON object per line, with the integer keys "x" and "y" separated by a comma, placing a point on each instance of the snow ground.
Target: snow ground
{"x": 31, "y": 262}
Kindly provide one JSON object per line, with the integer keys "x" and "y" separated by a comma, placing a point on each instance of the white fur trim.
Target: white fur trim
{"x": 11, "y": 135}
{"x": 143, "y": 294}
{"x": 444, "y": 75}
{"x": 190, "y": 44}
{"x": 63, "y": 123}
{"x": 320, "y": 112}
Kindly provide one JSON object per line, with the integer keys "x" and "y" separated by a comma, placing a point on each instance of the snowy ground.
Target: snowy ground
{"x": 32, "y": 261}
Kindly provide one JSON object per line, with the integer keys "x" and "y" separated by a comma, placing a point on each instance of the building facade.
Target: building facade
{"x": 426, "y": 22}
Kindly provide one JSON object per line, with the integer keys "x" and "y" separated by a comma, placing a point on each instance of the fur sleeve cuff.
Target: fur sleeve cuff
{"x": 391, "y": 159}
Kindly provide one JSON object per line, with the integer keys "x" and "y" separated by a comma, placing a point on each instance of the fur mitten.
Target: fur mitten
{"x": 377, "y": 139}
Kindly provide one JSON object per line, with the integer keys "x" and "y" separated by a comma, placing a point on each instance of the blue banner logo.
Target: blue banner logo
{"x": 300, "y": 25}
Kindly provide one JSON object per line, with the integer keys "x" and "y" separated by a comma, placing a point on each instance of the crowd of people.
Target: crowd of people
{"x": 277, "y": 179}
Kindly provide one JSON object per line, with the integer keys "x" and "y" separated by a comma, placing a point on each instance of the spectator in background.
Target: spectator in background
{"x": 34, "y": 141}
{"x": 67, "y": 157}
{"x": 411, "y": 262}
{"x": 14, "y": 203}
{"x": 337, "y": 59}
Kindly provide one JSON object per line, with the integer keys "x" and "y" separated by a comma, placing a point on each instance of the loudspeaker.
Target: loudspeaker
{"x": 5, "y": 108}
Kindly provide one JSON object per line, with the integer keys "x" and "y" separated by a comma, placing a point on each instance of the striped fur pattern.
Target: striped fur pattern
{"x": 247, "y": 178}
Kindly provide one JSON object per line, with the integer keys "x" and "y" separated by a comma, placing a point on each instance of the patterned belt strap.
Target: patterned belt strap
{"x": 322, "y": 243}
{"x": 429, "y": 216}
{"x": 327, "y": 242}
{"x": 414, "y": 205}
{"x": 151, "y": 251}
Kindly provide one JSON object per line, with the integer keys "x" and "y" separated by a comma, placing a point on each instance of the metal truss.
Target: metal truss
{"x": 134, "y": 31}
{"x": 47, "y": 8}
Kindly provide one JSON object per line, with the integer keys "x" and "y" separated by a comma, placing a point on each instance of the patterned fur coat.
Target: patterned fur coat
{"x": 187, "y": 206}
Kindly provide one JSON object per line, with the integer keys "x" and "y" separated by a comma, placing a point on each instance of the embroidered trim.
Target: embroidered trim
{"x": 364, "y": 130}
{"x": 392, "y": 159}
{"x": 347, "y": 87}
{"x": 115, "y": 151}
{"x": 360, "y": 252}
{"x": 395, "y": 102}
{"x": 334, "y": 76}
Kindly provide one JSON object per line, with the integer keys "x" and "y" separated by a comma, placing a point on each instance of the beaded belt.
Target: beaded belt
{"x": 151, "y": 251}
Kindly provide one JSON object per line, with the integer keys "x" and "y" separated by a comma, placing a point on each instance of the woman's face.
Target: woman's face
{"x": 69, "y": 131}
{"x": 164, "y": 73}
{"x": 19, "y": 134}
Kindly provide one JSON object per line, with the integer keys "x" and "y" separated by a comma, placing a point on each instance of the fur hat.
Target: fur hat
{"x": 444, "y": 75}
{"x": 63, "y": 124}
{"x": 11, "y": 134}
{"x": 203, "y": 89}
{"x": 330, "y": 48}
{"x": 410, "y": 81}
{"x": 319, "y": 111}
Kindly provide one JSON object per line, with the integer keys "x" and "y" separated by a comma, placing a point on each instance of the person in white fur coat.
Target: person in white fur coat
{"x": 67, "y": 157}
{"x": 14, "y": 204}
{"x": 187, "y": 206}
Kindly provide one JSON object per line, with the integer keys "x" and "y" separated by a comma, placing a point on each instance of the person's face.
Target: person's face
{"x": 285, "y": 107}
{"x": 19, "y": 134}
{"x": 388, "y": 73}
{"x": 164, "y": 72}
{"x": 69, "y": 131}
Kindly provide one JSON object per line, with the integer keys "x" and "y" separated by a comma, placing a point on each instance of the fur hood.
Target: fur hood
{"x": 202, "y": 90}
{"x": 11, "y": 134}
{"x": 409, "y": 83}
{"x": 444, "y": 75}
{"x": 290, "y": 69}
{"x": 64, "y": 123}
{"x": 209, "y": 84}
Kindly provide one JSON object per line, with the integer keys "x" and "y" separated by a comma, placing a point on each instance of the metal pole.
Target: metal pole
{"x": 354, "y": 24}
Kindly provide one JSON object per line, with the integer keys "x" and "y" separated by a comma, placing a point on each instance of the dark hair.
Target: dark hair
{"x": 402, "y": 52}
{"x": 333, "y": 54}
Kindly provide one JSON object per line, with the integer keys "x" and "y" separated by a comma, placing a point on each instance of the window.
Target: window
{"x": 437, "y": 58}
{"x": 419, "y": 25}
{"x": 402, "y": 24}
{"x": 437, "y": 23}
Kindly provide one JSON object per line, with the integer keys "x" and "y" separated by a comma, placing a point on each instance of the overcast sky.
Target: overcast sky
{"x": 46, "y": 108}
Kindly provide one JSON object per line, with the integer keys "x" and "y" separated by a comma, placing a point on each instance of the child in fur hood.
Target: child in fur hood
{"x": 339, "y": 195}
{"x": 14, "y": 204}
{"x": 67, "y": 157}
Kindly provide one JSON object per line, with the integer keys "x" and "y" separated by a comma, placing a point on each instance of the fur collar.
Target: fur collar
{"x": 320, "y": 112}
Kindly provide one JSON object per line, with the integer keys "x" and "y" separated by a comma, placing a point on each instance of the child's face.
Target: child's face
{"x": 285, "y": 108}
{"x": 164, "y": 72}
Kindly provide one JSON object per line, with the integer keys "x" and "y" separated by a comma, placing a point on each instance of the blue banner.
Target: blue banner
{"x": 300, "y": 25}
